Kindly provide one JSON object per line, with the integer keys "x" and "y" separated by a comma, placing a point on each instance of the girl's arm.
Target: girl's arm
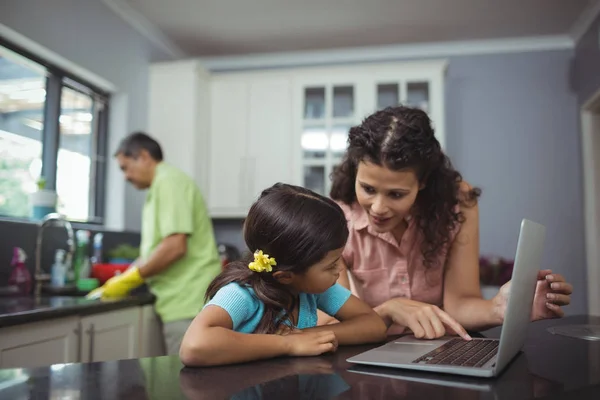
{"x": 358, "y": 324}
{"x": 344, "y": 280}
{"x": 210, "y": 341}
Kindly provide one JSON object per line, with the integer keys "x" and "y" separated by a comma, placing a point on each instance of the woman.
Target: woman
{"x": 414, "y": 232}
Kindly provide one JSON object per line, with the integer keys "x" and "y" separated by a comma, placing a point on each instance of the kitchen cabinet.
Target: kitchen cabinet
{"x": 127, "y": 333}
{"x": 151, "y": 338}
{"x": 251, "y": 144}
{"x": 110, "y": 336}
{"x": 227, "y": 169}
{"x": 239, "y": 132}
{"x": 270, "y": 145}
{"x": 328, "y": 101}
{"x": 40, "y": 343}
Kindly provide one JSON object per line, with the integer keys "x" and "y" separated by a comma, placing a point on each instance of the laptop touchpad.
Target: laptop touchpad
{"x": 402, "y": 352}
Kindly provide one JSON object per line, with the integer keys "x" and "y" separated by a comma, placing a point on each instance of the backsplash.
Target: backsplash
{"x": 24, "y": 234}
{"x": 229, "y": 231}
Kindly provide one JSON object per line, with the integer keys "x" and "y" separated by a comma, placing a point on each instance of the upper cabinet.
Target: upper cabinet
{"x": 241, "y": 132}
{"x": 251, "y": 139}
{"x": 329, "y": 101}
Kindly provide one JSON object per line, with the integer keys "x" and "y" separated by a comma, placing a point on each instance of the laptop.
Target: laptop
{"x": 478, "y": 357}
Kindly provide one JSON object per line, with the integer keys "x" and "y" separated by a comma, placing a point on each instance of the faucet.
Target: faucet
{"x": 39, "y": 275}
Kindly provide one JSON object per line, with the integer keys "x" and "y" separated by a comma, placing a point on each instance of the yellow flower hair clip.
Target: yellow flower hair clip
{"x": 262, "y": 262}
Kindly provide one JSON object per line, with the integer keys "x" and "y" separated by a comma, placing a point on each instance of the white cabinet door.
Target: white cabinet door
{"x": 40, "y": 343}
{"x": 151, "y": 337}
{"x": 270, "y": 143}
{"x": 229, "y": 175}
{"x": 110, "y": 336}
{"x": 252, "y": 139}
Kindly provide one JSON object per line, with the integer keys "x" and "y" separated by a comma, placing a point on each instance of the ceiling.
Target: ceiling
{"x": 227, "y": 27}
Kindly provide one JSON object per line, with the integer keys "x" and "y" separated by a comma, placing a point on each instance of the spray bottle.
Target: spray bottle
{"x": 20, "y": 276}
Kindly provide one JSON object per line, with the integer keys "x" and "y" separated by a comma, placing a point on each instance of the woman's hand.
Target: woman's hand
{"x": 311, "y": 343}
{"x": 551, "y": 293}
{"x": 426, "y": 321}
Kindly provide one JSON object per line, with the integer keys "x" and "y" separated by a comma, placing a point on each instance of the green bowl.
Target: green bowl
{"x": 87, "y": 284}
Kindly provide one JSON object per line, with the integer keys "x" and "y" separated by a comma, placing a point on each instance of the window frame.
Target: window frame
{"x": 56, "y": 79}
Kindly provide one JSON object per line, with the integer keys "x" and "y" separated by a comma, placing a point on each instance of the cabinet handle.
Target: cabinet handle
{"x": 243, "y": 183}
{"x": 91, "y": 349}
{"x": 79, "y": 343}
{"x": 250, "y": 181}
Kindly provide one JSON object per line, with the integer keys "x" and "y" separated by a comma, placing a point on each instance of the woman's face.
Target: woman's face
{"x": 387, "y": 196}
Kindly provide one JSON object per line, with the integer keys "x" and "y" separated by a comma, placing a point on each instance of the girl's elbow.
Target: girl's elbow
{"x": 194, "y": 354}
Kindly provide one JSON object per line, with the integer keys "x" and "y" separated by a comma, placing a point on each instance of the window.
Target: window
{"x": 52, "y": 126}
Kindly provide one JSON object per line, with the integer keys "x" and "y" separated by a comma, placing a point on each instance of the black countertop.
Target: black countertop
{"x": 23, "y": 310}
{"x": 550, "y": 366}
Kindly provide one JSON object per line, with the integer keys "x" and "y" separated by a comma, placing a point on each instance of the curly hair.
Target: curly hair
{"x": 402, "y": 138}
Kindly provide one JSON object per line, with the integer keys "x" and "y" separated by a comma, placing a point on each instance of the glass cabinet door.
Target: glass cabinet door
{"x": 413, "y": 94}
{"x": 314, "y": 142}
{"x": 314, "y": 103}
{"x": 339, "y": 140}
{"x": 314, "y": 178}
{"x": 343, "y": 101}
{"x": 329, "y": 112}
{"x": 388, "y": 95}
{"x": 417, "y": 95}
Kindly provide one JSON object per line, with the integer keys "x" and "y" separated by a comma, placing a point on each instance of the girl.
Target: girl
{"x": 266, "y": 305}
{"x": 414, "y": 232}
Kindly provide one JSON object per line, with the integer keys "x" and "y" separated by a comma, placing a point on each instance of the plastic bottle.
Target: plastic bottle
{"x": 20, "y": 276}
{"x": 58, "y": 273}
{"x": 97, "y": 252}
{"x": 81, "y": 254}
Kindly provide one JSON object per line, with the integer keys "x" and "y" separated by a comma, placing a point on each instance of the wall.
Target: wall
{"x": 586, "y": 79}
{"x": 89, "y": 34}
{"x": 512, "y": 129}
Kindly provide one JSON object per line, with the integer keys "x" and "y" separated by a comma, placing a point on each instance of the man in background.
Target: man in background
{"x": 178, "y": 254}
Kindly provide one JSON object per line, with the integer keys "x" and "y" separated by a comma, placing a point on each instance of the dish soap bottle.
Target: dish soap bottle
{"x": 58, "y": 274}
{"x": 97, "y": 253}
{"x": 20, "y": 276}
{"x": 81, "y": 255}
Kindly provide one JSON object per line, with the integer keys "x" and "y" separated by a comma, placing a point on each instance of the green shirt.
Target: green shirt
{"x": 175, "y": 205}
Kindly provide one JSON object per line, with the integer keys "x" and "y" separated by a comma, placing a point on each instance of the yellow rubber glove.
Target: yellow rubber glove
{"x": 118, "y": 286}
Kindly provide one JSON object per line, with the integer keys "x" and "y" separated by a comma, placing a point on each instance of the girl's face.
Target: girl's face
{"x": 321, "y": 276}
{"x": 387, "y": 196}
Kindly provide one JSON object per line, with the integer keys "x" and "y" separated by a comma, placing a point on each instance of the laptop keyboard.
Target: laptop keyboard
{"x": 459, "y": 352}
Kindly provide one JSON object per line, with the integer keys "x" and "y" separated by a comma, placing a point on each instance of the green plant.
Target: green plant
{"x": 124, "y": 251}
{"x": 41, "y": 183}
